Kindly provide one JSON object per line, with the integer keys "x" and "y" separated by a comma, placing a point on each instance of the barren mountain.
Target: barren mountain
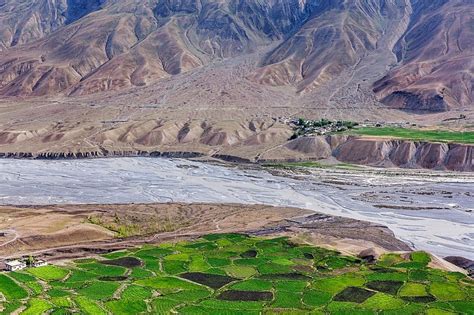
{"x": 418, "y": 53}
{"x": 435, "y": 57}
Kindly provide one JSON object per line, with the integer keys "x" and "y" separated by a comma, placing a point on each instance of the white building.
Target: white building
{"x": 15, "y": 265}
{"x": 40, "y": 263}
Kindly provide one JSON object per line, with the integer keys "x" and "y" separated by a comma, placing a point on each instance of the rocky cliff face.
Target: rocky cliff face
{"x": 254, "y": 141}
{"x": 333, "y": 50}
{"x": 387, "y": 153}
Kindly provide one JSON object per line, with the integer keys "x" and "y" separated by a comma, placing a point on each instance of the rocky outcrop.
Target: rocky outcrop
{"x": 406, "y": 154}
{"x": 313, "y": 147}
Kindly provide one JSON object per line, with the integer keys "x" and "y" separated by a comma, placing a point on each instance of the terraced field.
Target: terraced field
{"x": 237, "y": 274}
{"x": 417, "y": 134}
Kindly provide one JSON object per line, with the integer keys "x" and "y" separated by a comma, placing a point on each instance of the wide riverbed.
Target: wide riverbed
{"x": 430, "y": 212}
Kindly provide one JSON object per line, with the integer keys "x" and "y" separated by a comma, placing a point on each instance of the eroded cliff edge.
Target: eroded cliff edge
{"x": 348, "y": 149}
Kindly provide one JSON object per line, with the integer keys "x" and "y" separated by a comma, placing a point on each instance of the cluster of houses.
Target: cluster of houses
{"x": 16, "y": 265}
{"x": 304, "y": 127}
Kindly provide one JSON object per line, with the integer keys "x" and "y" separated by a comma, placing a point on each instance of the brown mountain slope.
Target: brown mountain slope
{"x": 131, "y": 43}
{"x": 436, "y": 57}
{"x": 23, "y": 21}
{"x": 327, "y": 52}
{"x": 333, "y": 40}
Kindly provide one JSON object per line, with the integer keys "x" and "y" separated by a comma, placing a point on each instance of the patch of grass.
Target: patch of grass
{"x": 135, "y": 292}
{"x": 417, "y": 134}
{"x": 62, "y": 301}
{"x": 419, "y": 275}
{"x": 198, "y": 264}
{"x": 413, "y": 289}
{"x": 101, "y": 270}
{"x": 156, "y": 252}
{"x": 21, "y": 277}
{"x": 218, "y": 262}
{"x": 152, "y": 264}
{"x": 387, "y": 276}
{"x": 446, "y": 291}
{"x": 232, "y": 305}
{"x": 35, "y": 287}
{"x": 164, "y": 305}
{"x": 117, "y": 254}
{"x": 410, "y": 265}
{"x": 463, "y": 307}
{"x": 272, "y": 268}
{"x": 250, "y": 261}
{"x": 388, "y": 260}
{"x": 336, "y": 284}
{"x": 99, "y": 290}
{"x": 49, "y": 273}
{"x": 435, "y": 311}
{"x": 241, "y": 272}
{"x": 80, "y": 276}
{"x": 316, "y": 298}
{"x": 285, "y": 299}
{"x": 409, "y": 309}
{"x": 37, "y": 306}
{"x": 289, "y": 285}
{"x": 189, "y": 296}
{"x": 174, "y": 267}
{"x": 11, "y": 290}
{"x": 420, "y": 257}
{"x": 178, "y": 257}
{"x": 382, "y": 302}
{"x": 57, "y": 293}
{"x": 9, "y": 308}
{"x": 125, "y": 307}
{"x": 168, "y": 283}
{"x": 347, "y": 308}
{"x": 88, "y": 306}
{"x": 336, "y": 262}
{"x": 139, "y": 273}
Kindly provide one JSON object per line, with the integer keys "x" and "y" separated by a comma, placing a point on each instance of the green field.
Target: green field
{"x": 312, "y": 164}
{"x": 236, "y": 274}
{"x": 417, "y": 134}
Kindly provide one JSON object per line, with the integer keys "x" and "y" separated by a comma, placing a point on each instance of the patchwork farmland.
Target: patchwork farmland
{"x": 237, "y": 274}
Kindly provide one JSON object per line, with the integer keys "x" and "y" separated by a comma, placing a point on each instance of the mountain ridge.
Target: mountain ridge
{"x": 75, "y": 48}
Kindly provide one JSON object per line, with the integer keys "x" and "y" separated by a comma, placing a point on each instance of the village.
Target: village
{"x": 306, "y": 128}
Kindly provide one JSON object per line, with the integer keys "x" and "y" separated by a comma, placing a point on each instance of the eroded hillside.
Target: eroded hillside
{"x": 414, "y": 55}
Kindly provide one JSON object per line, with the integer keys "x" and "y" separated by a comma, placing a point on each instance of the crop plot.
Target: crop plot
{"x": 237, "y": 274}
{"x": 210, "y": 280}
